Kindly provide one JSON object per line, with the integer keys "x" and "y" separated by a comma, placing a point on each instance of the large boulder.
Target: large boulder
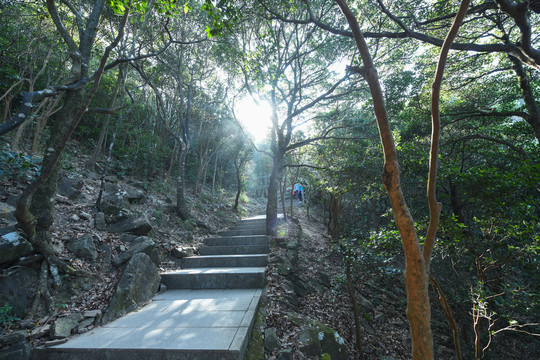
{"x": 309, "y": 342}
{"x": 83, "y": 247}
{"x": 12, "y": 247}
{"x": 20, "y": 351}
{"x": 63, "y": 326}
{"x": 17, "y": 289}
{"x": 136, "y": 226}
{"x": 142, "y": 244}
{"x": 70, "y": 185}
{"x": 138, "y": 283}
{"x": 332, "y": 343}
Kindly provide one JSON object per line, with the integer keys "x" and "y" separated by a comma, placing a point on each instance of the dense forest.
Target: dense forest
{"x": 414, "y": 127}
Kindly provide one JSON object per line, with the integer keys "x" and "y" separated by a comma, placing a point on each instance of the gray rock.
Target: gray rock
{"x": 101, "y": 225}
{"x": 70, "y": 186}
{"x": 136, "y": 226}
{"x": 107, "y": 254}
{"x": 12, "y": 247}
{"x": 18, "y": 351}
{"x": 86, "y": 323}
{"x": 146, "y": 246}
{"x": 134, "y": 196}
{"x": 301, "y": 287}
{"x": 138, "y": 283}
{"x": 85, "y": 215}
{"x": 182, "y": 252}
{"x": 92, "y": 313}
{"x": 285, "y": 354}
{"x": 284, "y": 265}
{"x": 271, "y": 340}
{"x": 309, "y": 342}
{"x": 15, "y": 337}
{"x": 111, "y": 178}
{"x": 8, "y": 229}
{"x": 128, "y": 238}
{"x": 113, "y": 203}
{"x": 40, "y": 331}
{"x": 63, "y": 326}
{"x": 17, "y": 289}
{"x": 324, "y": 278}
{"x": 333, "y": 344}
{"x": 83, "y": 247}
{"x": 7, "y": 211}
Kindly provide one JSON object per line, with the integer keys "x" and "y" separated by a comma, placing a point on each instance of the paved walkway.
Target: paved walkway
{"x": 207, "y": 313}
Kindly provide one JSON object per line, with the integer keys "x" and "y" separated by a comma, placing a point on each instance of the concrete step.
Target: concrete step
{"x": 237, "y": 240}
{"x": 176, "y": 325}
{"x": 242, "y": 232}
{"x": 247, "y": 228}
{"x": 215, "y": 278}
{"x": 251, "y": 260}
{"x": 234, "y": 250}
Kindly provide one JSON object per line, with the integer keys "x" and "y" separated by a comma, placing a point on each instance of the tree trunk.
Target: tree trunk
{"x": 273, "y": 186}
{"x": 528, "y": 96}
{"x": 181, "y": 206}
{"x": 214, "y": 176}
{"x": 238, "y": 183}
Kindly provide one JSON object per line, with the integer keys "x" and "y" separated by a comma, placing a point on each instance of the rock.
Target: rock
{"x": 40, "y": 331}
{"x": 138, "y": 283}
{"x": 55, "y": 342}
{"x": 75, "y": 217}
{"x": 7, "y": 212}
{"x": 285, "y": 354}
{"x": 107, "y": 254}
{"x": 300, "y": 286}
{"x": 15, "y": 337}
{"x": 63, "y": 326}
{"x": 128, "y": 238}
{"x": 83, "y": 247}
{"x": 70, "y": 186}
{"x": 136, "y": 226}
{"x": 284, "y": 265}
{"x": 18, "y": 351}
{"x": 309, "y": 342}
{"x": 332, "y": 343}
{"x": 113, "y": 203}
{"x": 12, "y": 247}
{"x": 92, "y": 313}
{"x": 26, "y": 324}
{"x": 324, "y": 279}
{"x": 134, "y": 196}
{"x": 17, "y": 289}
{"x": 111, "y": 178}
{"x": 364, "y": 303}
{"x": 146, "y": 246}
{"x": 85, "y": 215}
{"x": 271, "y": 340}
{"x": 86, "y": 323}
{"x": 101, "y": 225}
{"x": 8, "y": 229}
{"x": 182, "y": 252}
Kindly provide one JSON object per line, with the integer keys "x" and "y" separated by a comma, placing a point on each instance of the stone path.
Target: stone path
{"x": 206, "y": 313}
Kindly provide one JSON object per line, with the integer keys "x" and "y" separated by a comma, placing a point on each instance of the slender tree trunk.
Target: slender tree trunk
{"x": 528, "y": 96}
{"x": 238, "y": 183}
{"x": 273, "y": 187}
{"x": 181, "y": 205}
{"x": 214, "y": 176}
{"x": 174, "y": 156}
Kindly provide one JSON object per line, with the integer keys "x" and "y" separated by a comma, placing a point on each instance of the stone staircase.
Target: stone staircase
{"x": 207, "y": 312}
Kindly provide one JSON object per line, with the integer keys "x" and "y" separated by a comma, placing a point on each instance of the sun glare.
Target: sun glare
{"x": 254, "y": 117}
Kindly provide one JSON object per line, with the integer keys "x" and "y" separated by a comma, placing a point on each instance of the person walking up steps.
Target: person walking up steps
{"x": 300, "y": 192}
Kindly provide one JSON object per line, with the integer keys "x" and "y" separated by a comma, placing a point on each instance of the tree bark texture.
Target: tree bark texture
{"x": 416, "y": 279}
